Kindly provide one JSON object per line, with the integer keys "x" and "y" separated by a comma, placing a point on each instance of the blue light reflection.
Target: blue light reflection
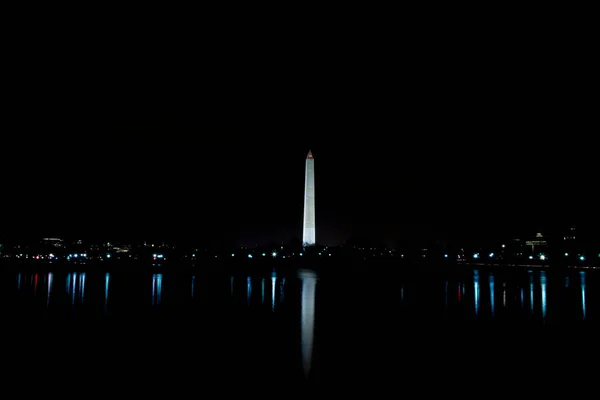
{"x": 492, "y": 295}
{"x": 582, "y": 283}
{"x": 476, "y": 290}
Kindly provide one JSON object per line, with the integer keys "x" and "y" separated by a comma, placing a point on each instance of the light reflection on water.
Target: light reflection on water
{"x": 50, "y": 279}
{"x": 582, "y": 283}
{"x": 543, "y": 286}
{"x": 304, "y": 317}
{"x": 273, "y": 282}
{"x": 106, "y": 283}
{"x": 476, "y": 290}
{"x": 82, "y": 287}
{"x": 309, "y": 285}
{"x": 491, "y": 280}
{"x": 281, "y": 290}
{"x": 531, "y": 299}
{"x": 522, "y": 298}
{"x": 156, "y": 289}
{"x": 249, "y": 290}
{"x": 77, "y": 291}
{"x": 402, "y": 293}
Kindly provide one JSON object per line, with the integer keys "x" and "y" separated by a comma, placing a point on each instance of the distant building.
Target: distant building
{"x": 539, "y": 241}
{"x": 571, "y": 234}
{"x": 54, "y": 242}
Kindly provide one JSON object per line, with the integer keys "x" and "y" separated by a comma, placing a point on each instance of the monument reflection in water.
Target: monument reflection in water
{"x": 309, "y": 288}
{"x": 276, "y": 325}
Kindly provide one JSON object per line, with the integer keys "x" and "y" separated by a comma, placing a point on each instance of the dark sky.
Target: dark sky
{"x": 431, "y": 137}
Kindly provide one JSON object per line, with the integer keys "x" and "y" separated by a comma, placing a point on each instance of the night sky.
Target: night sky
{"x": 434, "y": 142}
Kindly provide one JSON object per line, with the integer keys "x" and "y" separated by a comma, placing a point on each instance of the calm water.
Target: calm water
{"x": 300, "y": 328}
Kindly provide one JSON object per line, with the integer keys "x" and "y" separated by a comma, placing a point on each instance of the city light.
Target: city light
{"x": 108, "y": 256}
{"x": 476, "y": 255}
{"x": 301, "y": 254}
{"x": 445, "y": 255}
{"x": 566, "y": 254}
{"x": 531, "y": 257}
{"x": 249, "y": 255}
{"x": 503, "y": 246}
{"x": 582, "y": 258}
{"x": 542, "y": 257}
{"x": 274, "y": 254}
{"x": 232, "y": 255}
{"x": 491, "y": 255}
{"x": 264, "y": 254}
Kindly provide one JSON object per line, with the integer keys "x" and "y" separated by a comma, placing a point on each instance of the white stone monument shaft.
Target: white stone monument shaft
{"x": 308, "y": 232}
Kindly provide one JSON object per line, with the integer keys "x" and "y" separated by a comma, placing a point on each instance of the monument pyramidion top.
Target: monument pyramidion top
{"x": 309, "y": 155}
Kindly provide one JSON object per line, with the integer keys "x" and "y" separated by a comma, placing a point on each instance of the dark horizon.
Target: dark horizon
{"x": 266, "y": 235}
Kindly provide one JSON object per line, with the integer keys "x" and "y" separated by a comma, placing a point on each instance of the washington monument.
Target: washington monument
{"x": 308, "y": 232}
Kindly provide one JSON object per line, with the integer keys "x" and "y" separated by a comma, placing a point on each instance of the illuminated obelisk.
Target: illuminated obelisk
{"x": 308, "y": 233}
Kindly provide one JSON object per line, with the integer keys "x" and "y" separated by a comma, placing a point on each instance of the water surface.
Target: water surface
{"x": 303, "y": 326}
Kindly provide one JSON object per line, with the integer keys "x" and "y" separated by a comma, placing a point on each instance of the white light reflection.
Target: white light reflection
{"x": 582, "y": 282}
{"x": 273, "y": 282}
{"x": 156, "y": 289}
{"x": 106, "y": 282}
{"x": 476, "y": 290}
{"x": 73, "y": 287}
{"x": 19, "y": 276}
{"x": 262, "y": 291}
{"x": 309, "y": 285}
{"x": 50, "y": 279}
{"x": 504, "y": 294}
{"x": 543, "y": 286}
{"x": 567, "y": 281}
{"x": 231, "y": 285}
{"x": 531, "y": 300}
{"x": 492, "y": 294}
{"x": 249, "y": 290}
{"x": 193, "y": 279}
